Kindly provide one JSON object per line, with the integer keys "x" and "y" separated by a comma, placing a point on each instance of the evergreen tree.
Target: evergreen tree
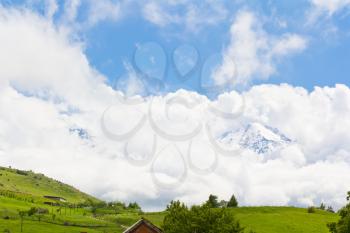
{"x": 232, "y": 202}
{"x": 322, "y": 206}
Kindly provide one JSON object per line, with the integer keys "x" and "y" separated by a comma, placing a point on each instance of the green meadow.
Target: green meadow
{"x": 23, "y": 190}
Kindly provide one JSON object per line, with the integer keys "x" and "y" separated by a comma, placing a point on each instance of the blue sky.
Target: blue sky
{"x": 111, "y": 39}
{"x": 59, "y": 60}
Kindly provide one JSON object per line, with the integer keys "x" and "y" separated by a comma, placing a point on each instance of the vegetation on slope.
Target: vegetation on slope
{"x": 27, "y": 183}
{"x": 23, "y": 191}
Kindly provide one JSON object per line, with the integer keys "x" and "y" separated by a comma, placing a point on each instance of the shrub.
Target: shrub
{"x": 330, "y": 209}
{"x": 23, "y": 173}
{"x": 42, "y": 211}
{"x": 32, "y": 211}
{"x": 311, "y": 210}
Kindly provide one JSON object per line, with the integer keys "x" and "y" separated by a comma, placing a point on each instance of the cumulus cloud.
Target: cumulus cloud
{"x": 49, "y": 93}
{"x": 254, "y": 51}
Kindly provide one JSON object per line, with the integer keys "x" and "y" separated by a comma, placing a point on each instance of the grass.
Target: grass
{"x": 284, "y": 219}
{"x": 24, "y": 183}
{"x": 20, "y": 190}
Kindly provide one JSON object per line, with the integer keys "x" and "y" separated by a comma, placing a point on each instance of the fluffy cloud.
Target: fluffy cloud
{"x": 253, "y": 51}
{"x": 60, "y": 118}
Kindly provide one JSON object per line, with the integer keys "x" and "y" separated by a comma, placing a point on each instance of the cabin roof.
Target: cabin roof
{"x": 54, "y": 197}
{"x": 147, "y": 223}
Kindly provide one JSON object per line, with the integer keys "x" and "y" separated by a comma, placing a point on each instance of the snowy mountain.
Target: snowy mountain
{"x": 257, "y": 137}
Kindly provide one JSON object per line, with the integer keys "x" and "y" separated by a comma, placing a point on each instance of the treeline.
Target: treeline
{"x": 343, "y": 225}
{"x": 211, "y": 216}
{"x": 110, "y": 205}
{"x": 214, "y": 202}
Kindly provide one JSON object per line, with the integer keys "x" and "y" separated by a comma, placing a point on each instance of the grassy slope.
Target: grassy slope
{"x": 284, "y": 219}
{"x": 259, "y": 219}
{"x": 264, "y": 219}
{"x": 81, "y": 218}
{"x": 39, "y": 185}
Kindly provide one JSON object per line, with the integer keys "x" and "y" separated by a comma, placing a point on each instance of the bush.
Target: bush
{"x": 42, "y": 211}
{"x": 311, "y": 210}
{"x": 23, "y": 173}
{"x": 32, "y": 211}
{"x": 330, "y": 209}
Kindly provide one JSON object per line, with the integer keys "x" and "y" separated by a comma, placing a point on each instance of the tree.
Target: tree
{"x": 213, "y": 201}
{"x": 177, "y": 220}
{"x": 200, "y": 219}
{"x": 322, "y": 206}
{"x": 134, "y": 205}
{"x": 32, "y": 211}
{"x": 232, "y": 202}
{"x": 330, "y": 209}
{"x": 21, "y": 216}
{"x": 223, "y": 204}
{"x": 94, "y": 210}
{"x": 343, "y": 225}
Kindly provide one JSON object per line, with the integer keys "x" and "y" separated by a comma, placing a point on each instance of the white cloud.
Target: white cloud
{"x": 321, "y": 12}
{"x": 104, "y": 10}
{"x": 193, "y": 15}
{"x": 329, "y": 7}
{"x": 254, "y": 51}
{"x": 155, "y": 13}
{"x": 47, "y": 87}
{"x": 71, "y": 10}
{"x": 51, "y": 8}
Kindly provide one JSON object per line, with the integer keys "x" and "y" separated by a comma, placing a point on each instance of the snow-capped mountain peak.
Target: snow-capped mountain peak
{"x": 257, "y": 137}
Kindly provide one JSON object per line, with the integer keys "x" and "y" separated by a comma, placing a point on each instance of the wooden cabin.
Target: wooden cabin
{"x": 143, "y": 226}
{"x": 56, "y": 198}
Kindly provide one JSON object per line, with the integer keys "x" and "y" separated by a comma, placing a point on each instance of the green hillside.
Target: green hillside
{"x": 284, "y": 219}
{"x": 38, "y": 185}
{"x": 22, "y": 190}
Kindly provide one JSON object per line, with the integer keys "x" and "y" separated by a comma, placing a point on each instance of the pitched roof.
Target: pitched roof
{"x": 145, "y": 222}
